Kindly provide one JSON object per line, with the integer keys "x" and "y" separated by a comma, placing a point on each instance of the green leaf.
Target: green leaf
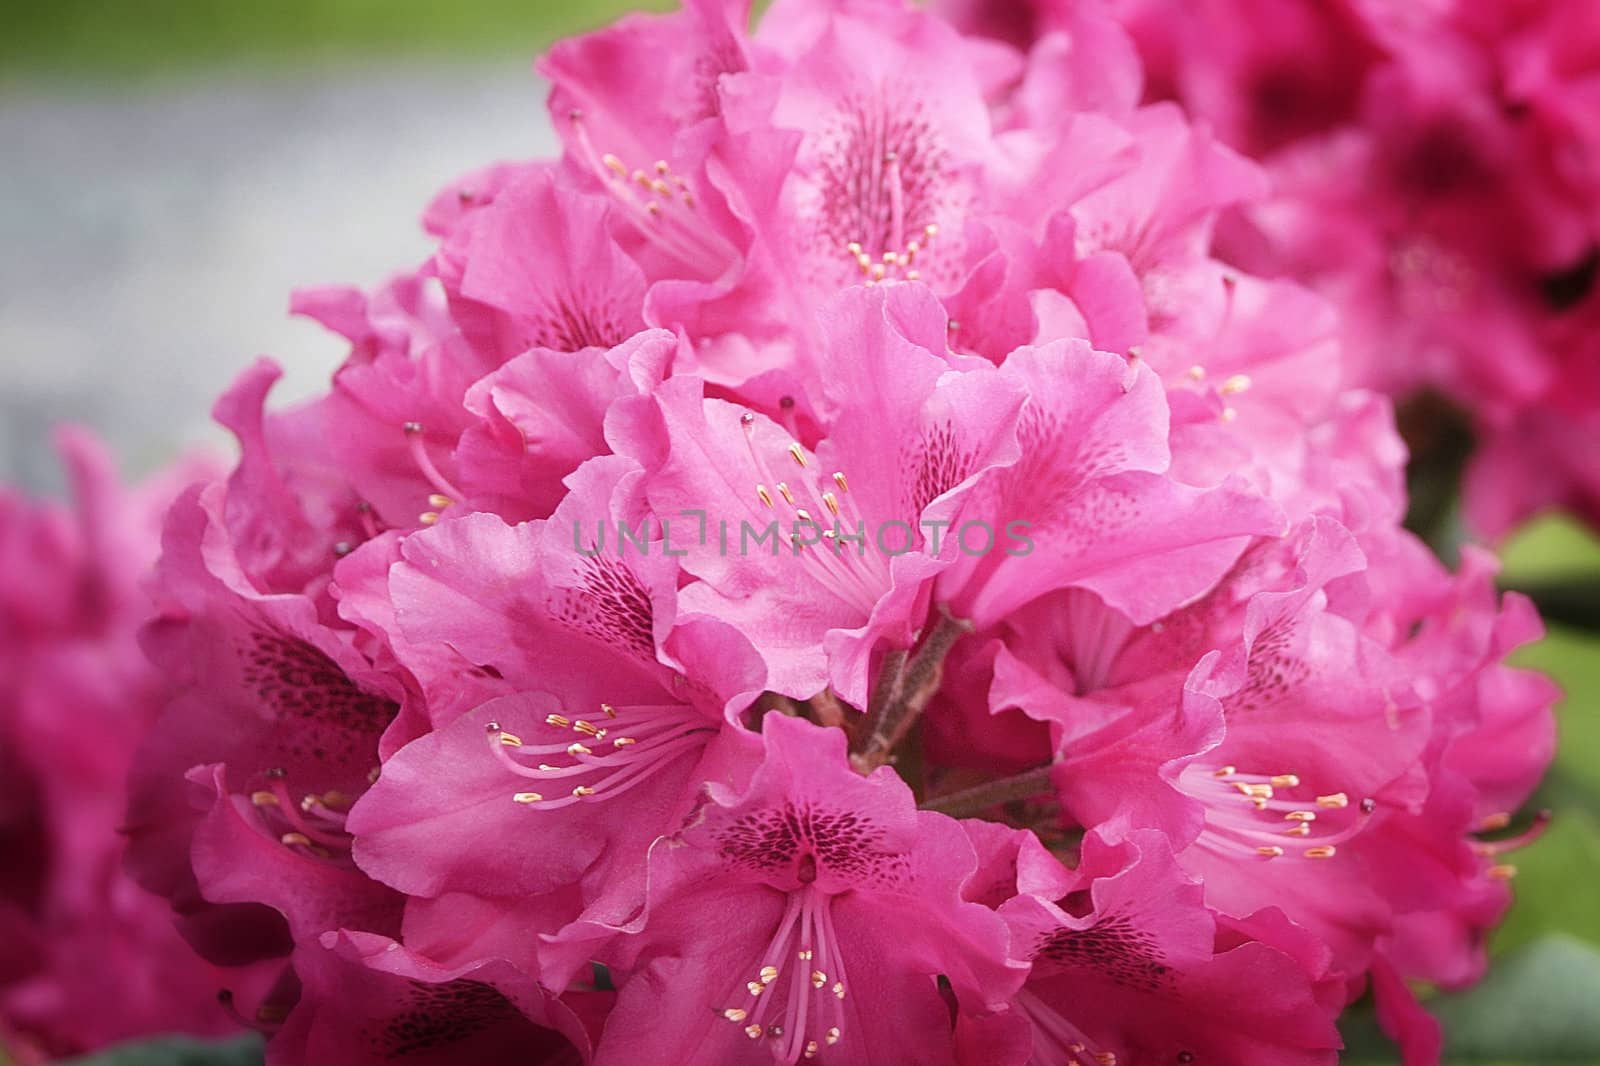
{"x": 1550, "y": 548}
{"x": 1572, "y": 658}
{"x": 178, "y": 1051}
{"x": 1548, "y": 896}
{"x": 1539, "y": 1006}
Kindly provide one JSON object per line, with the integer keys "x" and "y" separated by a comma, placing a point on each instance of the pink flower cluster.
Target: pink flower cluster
{"x": 86, "y": 956}
{"x": 1436, "y": 174}
{"x": 833, "y": 568}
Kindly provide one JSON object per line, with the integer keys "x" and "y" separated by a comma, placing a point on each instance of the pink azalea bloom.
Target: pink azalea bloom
{"x": 858, "y": 412}
{"x": 366, "y": 999}
{"x": 806, "y": 916}
{"x": 89, "y": 958}
{"x": 605, "y": 737}
{"x": 1073, "y": 479}
{"x": 1434, "y": 176}
{"x": 240, "y": 793}
{"x": 1226, "y": 725}
{"x": 1138, "y": 970}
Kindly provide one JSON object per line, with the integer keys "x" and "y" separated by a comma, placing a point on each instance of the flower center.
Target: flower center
{"x": 825, "y": 530}
{"x": 313, "y": 825}
{"x": 662, "y": 207}
{"x": 1056, "y": 1041}
{"x": 627, "y": 747}
{"x": 1271, "y": 815}
{"x": 795, "y": 994}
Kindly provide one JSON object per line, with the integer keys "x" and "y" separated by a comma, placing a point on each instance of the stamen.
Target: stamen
{"x": 1245, "y": 814}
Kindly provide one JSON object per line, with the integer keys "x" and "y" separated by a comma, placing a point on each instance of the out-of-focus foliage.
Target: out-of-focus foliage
{"x": 91, "y": 39}
{"x": 245, "y": 1051}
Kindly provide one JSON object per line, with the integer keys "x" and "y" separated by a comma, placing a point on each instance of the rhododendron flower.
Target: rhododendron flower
{"x": 812, "y": 914}
{"x": 1434, "y": 173}
{"x": 1143, "y": 967}
{"x": 88, "y": 958}
{"x": 835, "y": 567}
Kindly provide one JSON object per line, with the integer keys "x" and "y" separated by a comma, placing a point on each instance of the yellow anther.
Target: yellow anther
{"x": 930, "y": 230}
{"x": 1299, "y": 829}
{"x": 615, "y": 165}
{"x": 1333, "y": 800}
{"x": 527, "y": 797}
{"x": 755, "y": 987}
{"x": 292, "y": 839}
{"x": 1503, "y": 871}
{"x": 753, "y": 1031}
{"x": 511, "y": 740}
{"x": 1271, "y": 851}
{"x": 582, "y": 791}
{"x": 736, "y": 1014}
{"x": 610, "y": 711}
{"x": 622, "y": 742}
{"x": 662, "y": 168}
{"x": 1254, "y": 791}
{"x": 811, "y": 1049}
{"x": 838, "y": 989}
{"x": 878, "y": 272}
{"x": 854, "y": 248}
{"x": 1327, "y": 851}
{"x": 799, "y": 455}
{"x": 1226, "y": 771}
{"x": 1229, "y": 414}
{"x": 783, "y": 490}
{"x": 578, "y": 749}
{"x": 1286, "y": 781}
{"x": 839, "y": 479}
{"x": 1197, "y": 373}
{"x": 1495, "y": 821}
{"x": 335, "y": 799}
{"x": 1106, "y": 1058}
{"x": 818, "y": 978}
{"x": 804, "y": 954}
{"x": 1301, "y": 816}
{"x": 913, "y": 275}
{"x": 766, "y": 497}
{"x": 263, "y": 799}
{"x": 831, "y": 502}
{"x": 768, "y": 974}
{"x": 580, "y": 726}
{"x": 832, "y": 1035}
{"x": 560, "y": 721}
{"x": 428, "y": 518}
{"x": 802, "y": 514}
{"x": 1234, "y": 385}
{"x": 439, "y": 502}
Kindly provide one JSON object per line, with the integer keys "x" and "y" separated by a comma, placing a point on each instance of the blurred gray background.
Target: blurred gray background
{"x": 152, "y": 232}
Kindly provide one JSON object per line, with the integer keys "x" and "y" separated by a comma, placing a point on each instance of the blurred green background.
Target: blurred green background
{"x": 177, "y": 38}
{"x": 1541, "y": 1004}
